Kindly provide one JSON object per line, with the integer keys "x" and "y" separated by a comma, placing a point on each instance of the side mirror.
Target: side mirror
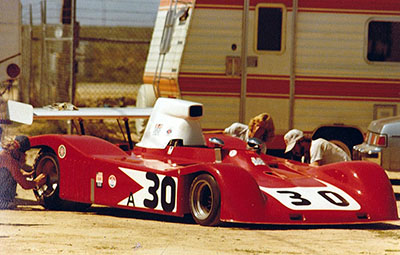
{"x": 216, "y": 142}
{"x": 254, "y": 144}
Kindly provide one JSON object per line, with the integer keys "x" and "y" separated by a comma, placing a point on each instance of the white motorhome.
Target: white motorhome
{"x": 326, "y": 67}
{"x": 10, "y": 51}
{"x": 10, "y": 34}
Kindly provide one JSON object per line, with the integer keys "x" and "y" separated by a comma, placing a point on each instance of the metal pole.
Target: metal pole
{"x": 72, "y": 81}
{"x": 292, "y": 89}
{"x": 42, "y": 88}
{"x": 243, "y": 88}
{"x": 72, "y": 76}
{"x": 30, "y": 80}
{"x": 22, "y": 83}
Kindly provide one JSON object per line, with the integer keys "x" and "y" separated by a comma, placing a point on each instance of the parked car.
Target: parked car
{"x": 382, "y": 146}
{"x": 176, "y": 170}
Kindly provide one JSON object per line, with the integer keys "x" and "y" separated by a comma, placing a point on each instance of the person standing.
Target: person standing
{"x": 260, "y": 126}
{"x": 317, "y": 152}
{"x": 12, "y": 160}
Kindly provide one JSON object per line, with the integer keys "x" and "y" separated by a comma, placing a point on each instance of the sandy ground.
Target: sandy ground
{"x": 32, "y": 230}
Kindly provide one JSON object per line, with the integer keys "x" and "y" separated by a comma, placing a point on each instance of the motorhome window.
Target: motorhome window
{"x": 269, "y": 29}
{"x": 383, "y": 41}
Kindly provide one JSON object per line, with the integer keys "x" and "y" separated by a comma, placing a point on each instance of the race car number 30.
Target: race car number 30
{"x": 314, "y": 198}
{"x": 159, "y": 191}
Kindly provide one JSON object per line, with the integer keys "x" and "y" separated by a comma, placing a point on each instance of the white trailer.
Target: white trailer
{"x": 10, "y": 51}
{"x": 326, "y": 67}
{"x": 10, "y": 34}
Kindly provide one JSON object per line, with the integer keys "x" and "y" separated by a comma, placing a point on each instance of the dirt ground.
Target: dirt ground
{"x": 32, "y": 230}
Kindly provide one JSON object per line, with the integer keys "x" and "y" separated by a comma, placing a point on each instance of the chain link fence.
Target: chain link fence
{"x": 94, "y": 63}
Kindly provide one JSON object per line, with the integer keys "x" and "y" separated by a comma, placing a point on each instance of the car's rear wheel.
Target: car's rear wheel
{"x": 205, "y": 200}
{"x": 48, "y": 193}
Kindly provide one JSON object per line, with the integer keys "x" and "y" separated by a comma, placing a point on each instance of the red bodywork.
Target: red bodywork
{"x": 254, "y": 188}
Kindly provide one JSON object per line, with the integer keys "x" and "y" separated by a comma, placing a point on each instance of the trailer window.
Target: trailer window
{"x": 384, "y": 41}
{"x": 269, "y": 28}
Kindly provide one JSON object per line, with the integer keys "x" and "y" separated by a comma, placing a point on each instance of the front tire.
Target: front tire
{"x": 205, "y": 200}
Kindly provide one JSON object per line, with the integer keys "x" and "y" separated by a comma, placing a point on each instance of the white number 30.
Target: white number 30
{"x": 314, "y": 198}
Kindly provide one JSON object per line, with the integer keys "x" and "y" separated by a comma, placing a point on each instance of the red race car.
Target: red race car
{"x": 177, "y": 170}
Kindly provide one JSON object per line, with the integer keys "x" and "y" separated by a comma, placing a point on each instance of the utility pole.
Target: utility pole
{"x": 43, "y": 89}
{"x": 68, "y": 17}
{"x": 243, "y": 87}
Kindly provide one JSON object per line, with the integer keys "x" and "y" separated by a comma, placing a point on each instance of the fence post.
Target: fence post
{"x": 43, "y": 91}
{"x": 72, "y": 79}
{"x": 31, "y": 80}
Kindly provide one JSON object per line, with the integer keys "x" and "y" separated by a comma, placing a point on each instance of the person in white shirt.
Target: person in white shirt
{"x": 317, "y": 152}
{"x": 260, "y": 126}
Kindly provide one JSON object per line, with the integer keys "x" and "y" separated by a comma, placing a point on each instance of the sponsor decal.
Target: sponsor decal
{"x": 157, "y": 129}
{"x": 232, "y": 153}
{"x": 257, "y": 161}
{"x": 62, "y": 151}
{"x": 112, "y": 181}
{"x": 99, "y": 179}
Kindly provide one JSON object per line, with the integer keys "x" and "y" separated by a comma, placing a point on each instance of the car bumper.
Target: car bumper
{"x": 367, "y": 152}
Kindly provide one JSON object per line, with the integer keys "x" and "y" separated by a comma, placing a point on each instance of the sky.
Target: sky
{"x": 97, "y": 12}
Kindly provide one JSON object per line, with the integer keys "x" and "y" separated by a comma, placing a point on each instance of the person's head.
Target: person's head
{"x": 20, "y": 144}
{"x": 293, "y": 140}
{"x": 262, "y": 127}
{"x": 23, "y": 142}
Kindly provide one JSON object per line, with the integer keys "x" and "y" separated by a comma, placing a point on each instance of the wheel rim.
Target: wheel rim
{"x": 202, "y": 202}
{"x": 48, "y": 165}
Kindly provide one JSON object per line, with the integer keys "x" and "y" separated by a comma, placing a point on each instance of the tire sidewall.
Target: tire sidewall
{"x": 53, "y": 201}
{"x": 214, "y": 217}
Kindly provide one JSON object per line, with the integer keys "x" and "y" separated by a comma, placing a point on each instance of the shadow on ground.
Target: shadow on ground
{"x": 115, "y": 212}
{"x": 28, "y": 204}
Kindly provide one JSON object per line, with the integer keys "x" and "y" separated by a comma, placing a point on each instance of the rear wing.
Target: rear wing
{"x": 25, "y": 113}
{"x": 91, "y": 113}
{"x": 16, "y": 112}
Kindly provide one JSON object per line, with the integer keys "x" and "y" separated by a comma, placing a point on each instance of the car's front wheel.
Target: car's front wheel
{"x": 205, "y": 200}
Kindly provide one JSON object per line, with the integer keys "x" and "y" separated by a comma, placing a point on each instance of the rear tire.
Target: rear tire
{"x": 205, "y": 200}
{"x": 48, "y": 194}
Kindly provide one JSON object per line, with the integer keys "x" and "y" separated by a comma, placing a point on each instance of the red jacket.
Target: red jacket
{"x": 14, "y": 166}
